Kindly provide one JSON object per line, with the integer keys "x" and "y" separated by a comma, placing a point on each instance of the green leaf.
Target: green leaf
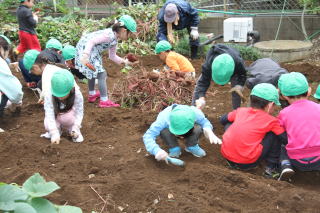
{"x": 42, "y": 205}
{"x": 69, "y": 209}
{"x": 24, "y": 208}
{"x": 9, "y": 194}
{"x": 36, "y": 186}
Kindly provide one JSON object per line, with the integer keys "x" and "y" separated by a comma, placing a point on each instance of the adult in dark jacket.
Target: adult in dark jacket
{"x": 222, "y": 64}
{"x": 178, "y": 15}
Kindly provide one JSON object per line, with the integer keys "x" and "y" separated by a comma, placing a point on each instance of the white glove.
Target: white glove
{"x": 84, "y": 59}
{"x": 55, "y": 139}
{"x": 36, "y": 18}
{"x": 161, "y": 155}
{"x": 76, "y": 134}
{"x": 211, "y": 136}
{"x": 194, "y": 33}
{"x": 200, "y": 103}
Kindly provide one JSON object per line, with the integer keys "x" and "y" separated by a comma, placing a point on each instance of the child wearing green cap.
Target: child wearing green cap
{"x": 68, "y": 54}
{"x": 317, "y": 94}
{"x": 88, "y": 57}
{"x": 63, "y": 107}
{"x": 173, "y": 60}
{"x": 179, "y": 121}
{"x": 252, "y": 133}
{"x": 223, "y": 64}
{"x": 301, "y": 122}
{"x": 10, "y": 86}
{"x": 27, "y": 22}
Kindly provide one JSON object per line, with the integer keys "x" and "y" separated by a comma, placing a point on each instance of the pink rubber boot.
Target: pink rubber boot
{"x": 108, "y": 103}
{"x": 93, "y": 98}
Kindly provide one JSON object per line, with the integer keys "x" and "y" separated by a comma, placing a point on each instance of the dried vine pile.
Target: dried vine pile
{"x": 153, "y": 90}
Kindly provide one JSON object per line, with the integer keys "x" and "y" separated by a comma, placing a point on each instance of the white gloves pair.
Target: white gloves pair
{"x": 194, "y": 33}
{"x": 200, "y": 103}
{"x": 208, "y": 133}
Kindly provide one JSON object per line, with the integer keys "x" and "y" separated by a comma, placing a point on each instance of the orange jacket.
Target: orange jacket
{"x": 177, "y": 62}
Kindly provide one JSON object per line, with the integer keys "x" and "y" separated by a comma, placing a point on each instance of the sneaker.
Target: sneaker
{"x": 271, "y": 172}
{"x": 93, "y": 98}
{"x": 286, "y": 173}
{"x": 175, "y": 152}
{"x": 196, "y": 151}
{"x": 108, "y": 103}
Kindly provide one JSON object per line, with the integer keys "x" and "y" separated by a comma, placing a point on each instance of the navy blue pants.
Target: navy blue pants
{"x": 28, "y": 77}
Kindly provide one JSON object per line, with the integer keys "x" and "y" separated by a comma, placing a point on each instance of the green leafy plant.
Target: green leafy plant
{"x": 247, "y": 53}
{"x": 312, "y": 5}
{"x": 183, "y": 47}
{"x": 29, "y": 197}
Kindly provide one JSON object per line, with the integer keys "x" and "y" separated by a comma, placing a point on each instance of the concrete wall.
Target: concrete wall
{"x": 267, "y": 26}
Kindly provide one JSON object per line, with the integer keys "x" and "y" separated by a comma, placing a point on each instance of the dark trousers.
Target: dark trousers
{"x": 3, "y": 103}
{"x": 28, "y": 77}
{"x": 77, "y": 73}
{"x": 270, "y": 151}
{"x": 305, "y": 164}
{"x": 236, "y": 99}
{"x": 172, "y": 141}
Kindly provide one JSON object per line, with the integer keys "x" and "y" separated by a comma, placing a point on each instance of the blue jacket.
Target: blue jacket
{"x": 162, "y": 123}
{"x": 9, "y": 84}
{"x": 188, "y": 17}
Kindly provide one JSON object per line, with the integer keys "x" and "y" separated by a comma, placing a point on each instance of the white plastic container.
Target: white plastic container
{"x": 236, "y": 29}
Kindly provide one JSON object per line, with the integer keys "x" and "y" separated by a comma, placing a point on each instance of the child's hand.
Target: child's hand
{"x": 84, "y": 59}
{"x": 55, "y": 140}
{"x": 208, "y": 133}
{"x": 161, "y": 155}
{"x": 200, "y": 103}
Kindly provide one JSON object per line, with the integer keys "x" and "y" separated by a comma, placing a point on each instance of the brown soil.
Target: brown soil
{"x": 127, "y": 177}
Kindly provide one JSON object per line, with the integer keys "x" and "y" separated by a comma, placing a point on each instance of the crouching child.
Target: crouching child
{"x": 63, "y": 108}
{"x": 252, "y": 134}
{"x": 179, "y": 121}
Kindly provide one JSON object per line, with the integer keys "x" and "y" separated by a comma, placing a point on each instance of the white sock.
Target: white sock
{"x": 92, "y": 92}
{"x": 103, "y": 98}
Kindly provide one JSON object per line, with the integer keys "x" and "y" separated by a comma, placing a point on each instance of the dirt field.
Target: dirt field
{"x": 131, "y": 180}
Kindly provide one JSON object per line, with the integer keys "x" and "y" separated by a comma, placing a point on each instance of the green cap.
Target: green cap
{"x": 222, "y": 68}
{"x": 162, "y": 46}
{"x": 29, "y": 58}
{"x": 182, "y": 119}
{"x": 267, "y": 92}
{"x": 62, "y": 82}
{"x": 68, "y": 52}
{"x": 129, "y": 23}
{"x": 292, "y": 84}
{"x": 54, "y": 43}
{"x": 6, "y": 38}
{"x": 21, "y": 1}
{"x": 317, "y": 94}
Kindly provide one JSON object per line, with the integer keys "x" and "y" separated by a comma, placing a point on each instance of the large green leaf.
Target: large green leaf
{"x": 42, "y": 205}
{"x": 24, "y": 208}
{"x": 36, "y": 186}
{"x": 69, "y": 209}
{"x": 9, "y": 194}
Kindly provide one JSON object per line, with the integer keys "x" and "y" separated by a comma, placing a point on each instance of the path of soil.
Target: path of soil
{"x": 126, "y": 176}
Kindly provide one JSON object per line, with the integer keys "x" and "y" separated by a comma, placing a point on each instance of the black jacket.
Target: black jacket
{"x": 206, "y": 75}
{"x": 25, "y": 19}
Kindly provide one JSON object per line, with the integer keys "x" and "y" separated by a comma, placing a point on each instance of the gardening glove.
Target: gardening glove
{"x": 127, "y": 62}
{"x": 200, "y": 103}
{"x": 84, "y": 59}
{"x": 55, "y": 139}
{"x": 161, "y": 155}
{"x": 208, "y": 133}
{"x": 238, "y": 89}
{"x": 194, "y": 33}
{"x": 35, "y": 17}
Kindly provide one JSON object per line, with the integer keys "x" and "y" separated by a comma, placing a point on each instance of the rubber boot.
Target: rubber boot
{"x": 194, "y": 52}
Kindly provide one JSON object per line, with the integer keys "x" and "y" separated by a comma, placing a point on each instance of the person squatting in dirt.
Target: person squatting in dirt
{"x": 317, "y": 94}
{"x": 63, "y": 107}
{"x": 222, "y": 64}
{"x": 68, "y": 54}
{"x": 27, "y": 21}
{"x": 174, "y": 61}
{"x": 43, "y": 68}
{"x": 252, "y": 134}
{"x": 178, "y": 15}
{"x": 88, "y": 57}
{"x": 265, "y": 70}
{"x": 301, "y": 122}
{"x": 10, "y": 86}
{"x": 179, "y": 121}
{"x": 52, "y": 53}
